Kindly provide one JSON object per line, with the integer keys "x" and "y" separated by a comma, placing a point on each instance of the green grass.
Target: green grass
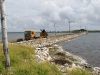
{"x": 78, "y": 71}
{"x": 23, "y": 62}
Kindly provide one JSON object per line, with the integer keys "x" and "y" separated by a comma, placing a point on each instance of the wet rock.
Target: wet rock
{"x": 62, "y": 61}
{"x": 19, "y": 40}
{"x": 61, "y": 54}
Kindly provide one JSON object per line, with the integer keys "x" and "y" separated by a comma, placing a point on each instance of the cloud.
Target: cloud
{"x": 44, "y": 13}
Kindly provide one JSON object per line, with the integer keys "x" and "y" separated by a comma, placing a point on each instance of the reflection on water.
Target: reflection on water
{"x": 87, "y": 46}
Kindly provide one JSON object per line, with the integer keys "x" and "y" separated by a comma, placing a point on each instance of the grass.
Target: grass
{"x": 78, "y": 71}
{"x": 23, "y": 62}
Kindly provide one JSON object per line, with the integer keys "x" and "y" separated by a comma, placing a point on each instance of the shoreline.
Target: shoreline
{"x": 50, "y": 40}
{"x": 43, "y": 47}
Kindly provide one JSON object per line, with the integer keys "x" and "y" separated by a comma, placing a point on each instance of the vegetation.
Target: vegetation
{"x": 78, "y": 71}
{"x": 23, "y": 63}
{"x": 78, "y": 31}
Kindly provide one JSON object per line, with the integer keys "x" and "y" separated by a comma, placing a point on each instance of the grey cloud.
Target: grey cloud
{"x": 44, "y": 13}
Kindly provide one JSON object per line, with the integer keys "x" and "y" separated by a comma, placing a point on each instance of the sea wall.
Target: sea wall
{"x": 48, "y": 50}
{"x": 50, "y": 40}
{"x": 63, "y": 59}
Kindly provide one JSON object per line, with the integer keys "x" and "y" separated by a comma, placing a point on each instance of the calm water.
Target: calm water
{"x": 13, "y": 36}
{"x": 87, "y": 46}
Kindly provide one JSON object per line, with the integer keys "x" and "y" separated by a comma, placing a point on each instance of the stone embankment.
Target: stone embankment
{"x": 63, "y": 59}
{"x": 50, "y": 40}
{"x": 47, "y": 50}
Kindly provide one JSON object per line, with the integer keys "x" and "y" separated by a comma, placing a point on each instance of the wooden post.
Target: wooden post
{"x": 4, "y": 34}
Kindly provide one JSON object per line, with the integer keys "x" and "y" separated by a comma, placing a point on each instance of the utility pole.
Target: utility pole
{"x": 4, "y": 34}
{"x": 55, "y": 28}
{"x": 86, "y": 29}
{"x": 69, "y": 25}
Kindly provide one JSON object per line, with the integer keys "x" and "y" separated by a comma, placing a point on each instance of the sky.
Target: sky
{"x": 43, "y": 14}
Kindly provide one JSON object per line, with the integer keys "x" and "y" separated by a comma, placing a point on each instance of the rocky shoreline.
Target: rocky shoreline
{"x": 50, "y": 40}
{"x": 63, "y": 59}
{"x": 48, "y": 50}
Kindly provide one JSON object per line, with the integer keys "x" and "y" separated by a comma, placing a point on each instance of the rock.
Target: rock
{"x": 42, "y": 54}
{"x": 62, "y": 61}
{"x": 96, "y": 70}
{"x": 58, "y": 56}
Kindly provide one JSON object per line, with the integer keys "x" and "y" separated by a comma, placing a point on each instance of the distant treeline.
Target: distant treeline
{"x": 64, "y": 31}
{"x": 58, "y": 31}
{"x": 94, "y": 31}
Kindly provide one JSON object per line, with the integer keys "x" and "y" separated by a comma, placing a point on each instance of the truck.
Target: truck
{"x": 29, "y": 35}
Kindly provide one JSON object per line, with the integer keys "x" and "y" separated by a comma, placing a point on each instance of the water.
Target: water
{"x": 87, "y": 46}
{"x": 13, "y": 36}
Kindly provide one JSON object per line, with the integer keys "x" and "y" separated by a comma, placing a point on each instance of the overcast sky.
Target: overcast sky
{"x": 38, "y": 14}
